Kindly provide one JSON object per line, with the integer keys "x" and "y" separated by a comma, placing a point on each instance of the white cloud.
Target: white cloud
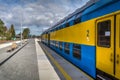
{"x": 9, "y": 16}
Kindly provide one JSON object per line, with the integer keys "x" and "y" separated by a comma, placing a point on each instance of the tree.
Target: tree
{"x": 5, "y": 33}
{"x": 1, "y": 28}
{"x": 12, "y": 31}
{"x": 26, "y": 33}
{"x": 5, "y": 29}
{"x": 8, "y": 36}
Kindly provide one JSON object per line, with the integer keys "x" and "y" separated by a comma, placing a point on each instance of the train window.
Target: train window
{"x": 50, "y": 42}
{"x": 53, "y": 43}
{"x": 78, "y": 20}
{"x": 77, "y": 51}
{"x": 60, "y": 45}
{"x": 67, "y": 25}
{"x": 71, "y": 22}
{"x": 104, "y": 33}
{"x": 67, "y": 50}
{"x": 57, "y": 43}
{"x": 57, "y": 28}
{"x": 60, "y": 27}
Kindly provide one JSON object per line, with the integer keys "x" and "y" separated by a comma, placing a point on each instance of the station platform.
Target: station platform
{"x": 45, "y": 69}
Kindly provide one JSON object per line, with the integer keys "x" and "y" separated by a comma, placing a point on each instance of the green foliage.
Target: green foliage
{"x": 1, "y": 28}
{"x": 12, "y": 31}
{"x": 1, "y": 23}
{"x": 8, "y": 36}
{"x": 5, "y": 33}
{"x": 26, "y": 33}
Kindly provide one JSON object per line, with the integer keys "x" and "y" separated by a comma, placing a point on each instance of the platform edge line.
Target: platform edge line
{"x": 67, "y": 77}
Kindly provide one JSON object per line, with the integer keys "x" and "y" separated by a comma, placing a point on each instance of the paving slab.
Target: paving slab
{"x": 46, "y": 70}
{"x": 22, "y": 66}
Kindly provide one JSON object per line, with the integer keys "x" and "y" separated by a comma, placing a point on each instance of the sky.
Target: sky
{"x": 37, "y": 15}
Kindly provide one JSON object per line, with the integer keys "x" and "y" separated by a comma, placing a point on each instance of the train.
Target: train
{"x": 89, "y": 38}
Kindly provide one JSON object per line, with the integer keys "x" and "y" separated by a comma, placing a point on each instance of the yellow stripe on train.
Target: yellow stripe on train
{"x": 83, "y": 33}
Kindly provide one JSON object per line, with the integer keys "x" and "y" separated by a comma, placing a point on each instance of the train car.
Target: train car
{"x": 90, "y": 38}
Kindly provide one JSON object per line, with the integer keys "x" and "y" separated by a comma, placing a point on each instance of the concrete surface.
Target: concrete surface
{"x": 22, "y": 66}
{"x": 46, "y": 71}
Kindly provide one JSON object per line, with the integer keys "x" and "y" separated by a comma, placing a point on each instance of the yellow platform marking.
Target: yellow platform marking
{"x": 67, "y": 77}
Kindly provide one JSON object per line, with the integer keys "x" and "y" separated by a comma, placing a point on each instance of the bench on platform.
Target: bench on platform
{"x": 12, "y": 47}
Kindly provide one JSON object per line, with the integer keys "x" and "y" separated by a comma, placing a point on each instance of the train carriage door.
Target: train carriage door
{"x": 49, "y": 39}
{"x": 105, "y": 45}
{"x": 117, "y": 61}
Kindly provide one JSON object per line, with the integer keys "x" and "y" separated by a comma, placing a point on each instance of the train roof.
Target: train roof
{"x": 79, "y": 10}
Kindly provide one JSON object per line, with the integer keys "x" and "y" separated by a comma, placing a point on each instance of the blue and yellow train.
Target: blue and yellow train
{"x": 90, "y": 38}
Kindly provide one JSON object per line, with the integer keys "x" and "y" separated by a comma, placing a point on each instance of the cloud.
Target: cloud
{"x": 38, "y": 14}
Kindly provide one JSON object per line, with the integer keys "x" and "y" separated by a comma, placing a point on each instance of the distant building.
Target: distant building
{"x": 18, "y": 35}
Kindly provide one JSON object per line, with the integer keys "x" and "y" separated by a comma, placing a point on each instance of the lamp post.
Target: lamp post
{"x": 21, "y": 28}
